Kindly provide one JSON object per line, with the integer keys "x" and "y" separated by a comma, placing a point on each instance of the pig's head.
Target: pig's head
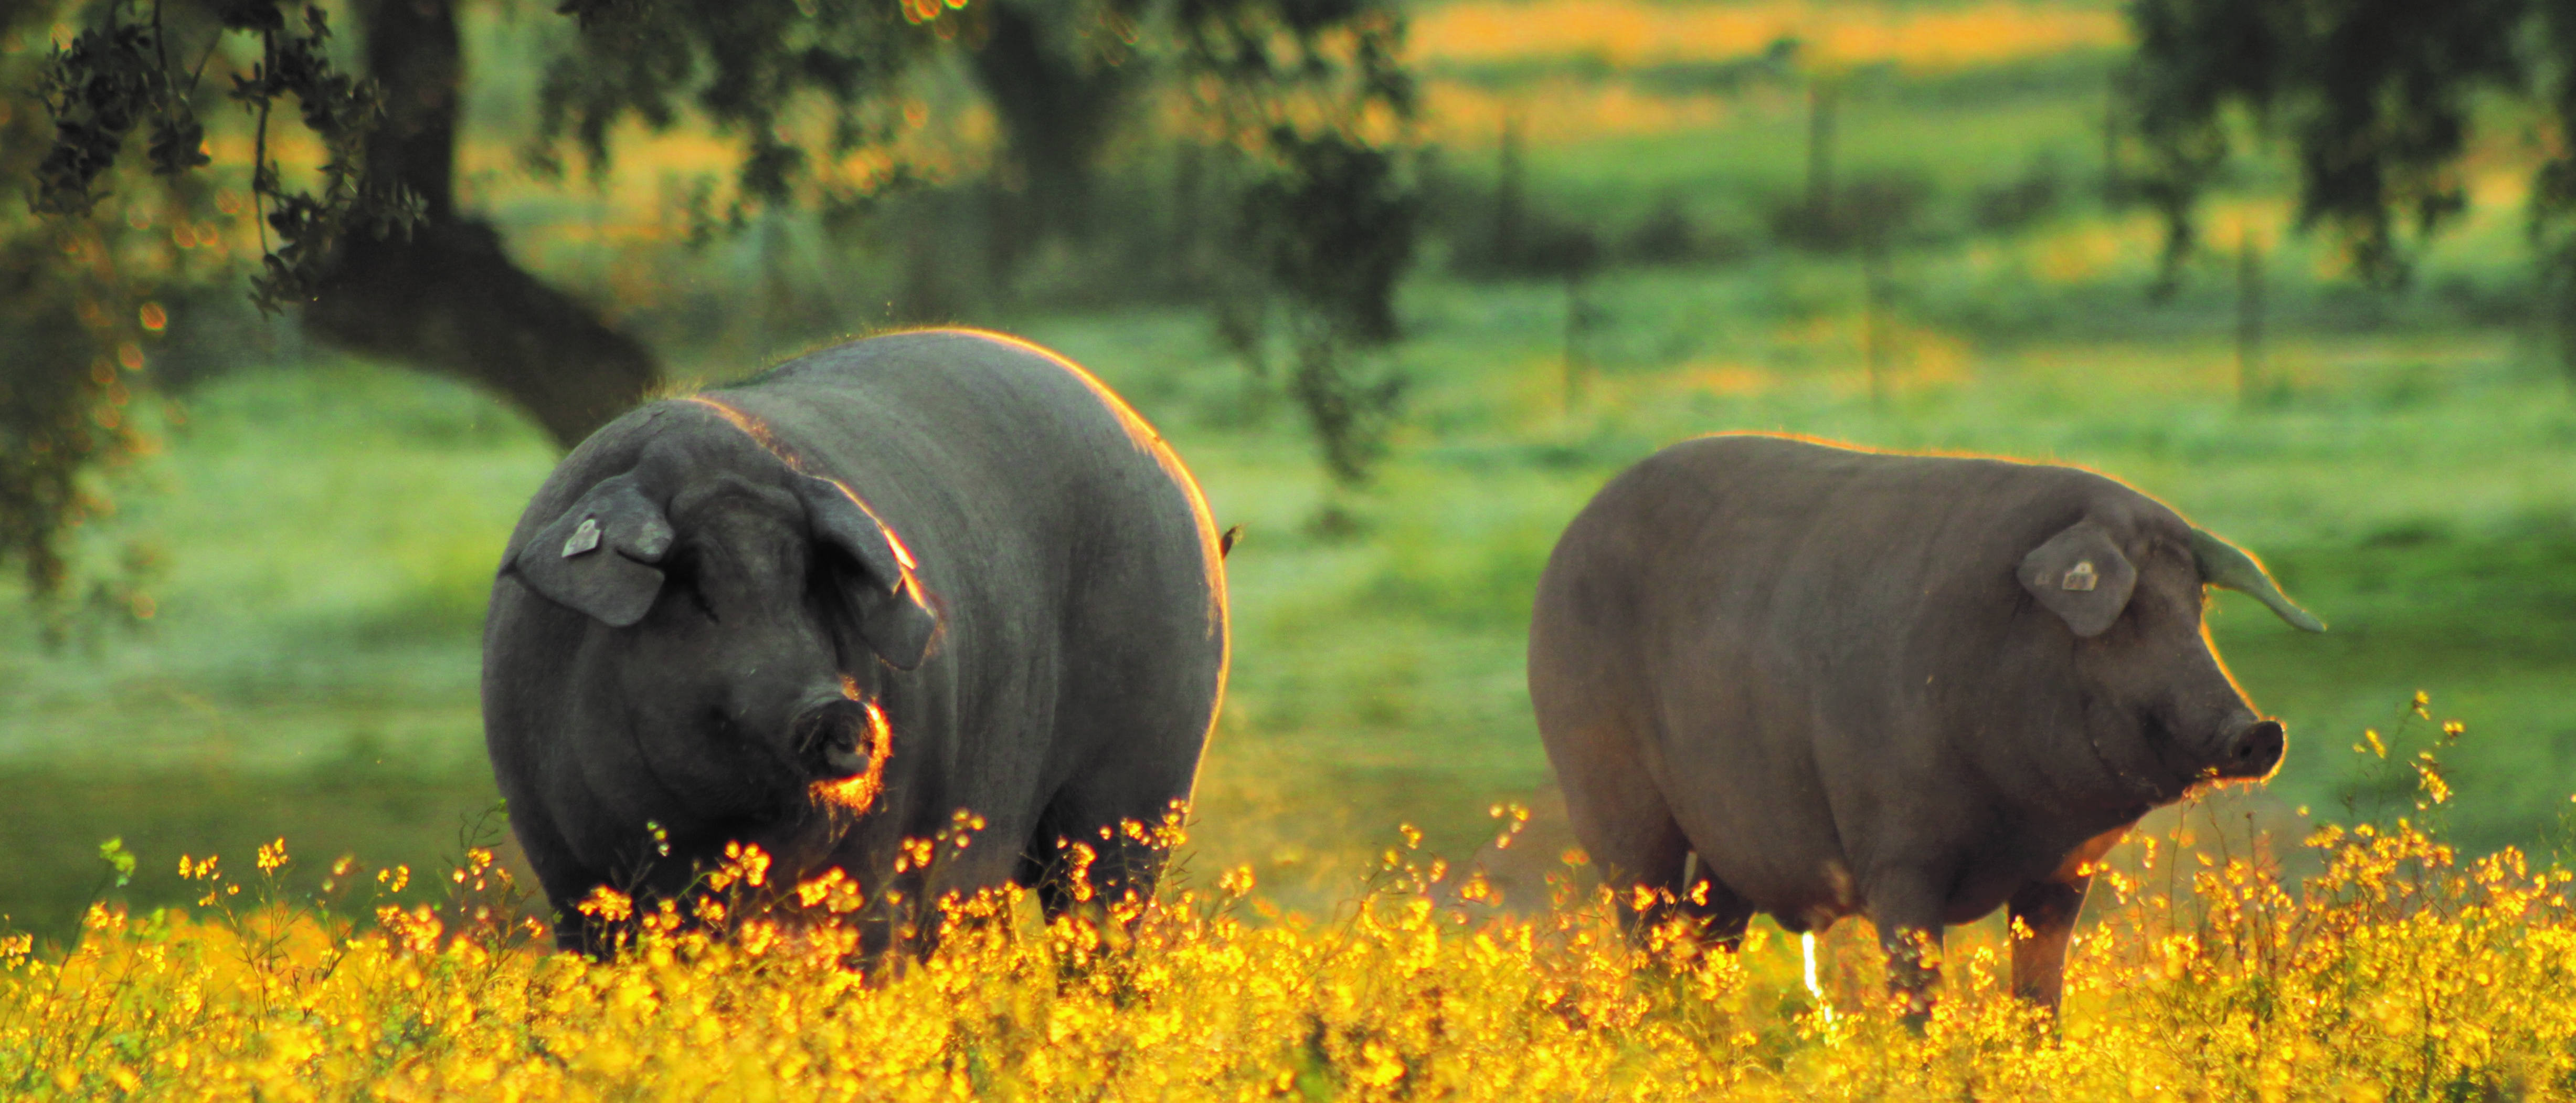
{"x": 2123, "y": 593}
{"x": 742, "y": 615}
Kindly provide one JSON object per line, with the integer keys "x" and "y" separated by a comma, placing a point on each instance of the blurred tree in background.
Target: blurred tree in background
{"x": 1310, "y": 108}
{"x": 2379, "y": 101}
{"x": 1298, "y": 124}
{"x": 1060, "y": 77}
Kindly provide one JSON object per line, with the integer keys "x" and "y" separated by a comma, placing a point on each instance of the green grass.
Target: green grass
{"x": 330, "y": 535}
{"x": 330, "y": 528}
{"x": 2413, "y": 490}
{"x": 358, "y": 802}
{"x": 2412, "y": 487}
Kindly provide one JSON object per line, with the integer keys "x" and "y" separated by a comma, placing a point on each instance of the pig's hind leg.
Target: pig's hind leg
{"x": 1641, "y": 853}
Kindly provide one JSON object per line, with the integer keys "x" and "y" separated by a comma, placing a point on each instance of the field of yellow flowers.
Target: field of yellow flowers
{"x": 2396, "y": 970}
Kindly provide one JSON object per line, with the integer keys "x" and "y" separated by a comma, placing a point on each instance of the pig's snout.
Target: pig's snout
{"x": 833, "y": 739}
{"x": 2254, "y": 751}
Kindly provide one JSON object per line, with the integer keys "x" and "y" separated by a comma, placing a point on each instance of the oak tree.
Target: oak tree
{"x": 1305, "y": 100}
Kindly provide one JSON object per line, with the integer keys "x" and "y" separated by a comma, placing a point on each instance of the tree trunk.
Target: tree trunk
{"x": 1057, "y": 113}
{"x": 1873, "y": 317}
{"x": 2115, "y": 176}
{"x": 449, "y": 299}
{"x": 1507, "y": 197}
{"x": 1189, "y": 173}
{"x": 2249, "y": 319}
{"x": 1823, "y": 96}
{"x": 1578, "y": 324}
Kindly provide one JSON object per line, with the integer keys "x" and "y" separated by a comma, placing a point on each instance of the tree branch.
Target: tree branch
{"x": 448, "y": 298}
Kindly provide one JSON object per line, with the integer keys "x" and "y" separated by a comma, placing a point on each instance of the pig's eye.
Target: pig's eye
{"x": 834, "y": 574}
{"x": 681, "y": 577}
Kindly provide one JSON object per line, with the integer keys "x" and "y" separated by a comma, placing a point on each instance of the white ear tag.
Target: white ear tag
{"x": 586, "y": 537}
{"x": 2080, "y": 578}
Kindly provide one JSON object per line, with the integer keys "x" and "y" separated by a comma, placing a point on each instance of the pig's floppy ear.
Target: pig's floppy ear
{"x": 595, "y": 557}
{"x": 892, "y": 617}
{"x": 2080, "y": 575}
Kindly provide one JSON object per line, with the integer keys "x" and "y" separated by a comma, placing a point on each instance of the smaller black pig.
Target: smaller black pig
{"x": 1915, "y": 688}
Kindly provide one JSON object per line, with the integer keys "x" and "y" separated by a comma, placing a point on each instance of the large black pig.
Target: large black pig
{"x": 1777, "y": 676}
{"x": 826, "y": 610}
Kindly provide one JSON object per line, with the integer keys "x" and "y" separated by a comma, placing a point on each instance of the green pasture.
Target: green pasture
{"x": 327, "y": 529}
